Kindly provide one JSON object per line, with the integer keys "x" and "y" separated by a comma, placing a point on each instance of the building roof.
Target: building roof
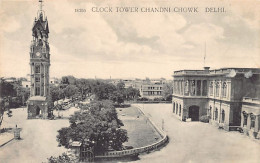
{"x": 222, "y": 71}
{"x": 37, "y": 98}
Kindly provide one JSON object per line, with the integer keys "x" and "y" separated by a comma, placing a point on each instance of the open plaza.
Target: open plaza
{"x": 189, "y": 141}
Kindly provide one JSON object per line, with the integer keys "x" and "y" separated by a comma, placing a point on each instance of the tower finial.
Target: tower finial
{"x": 41, "y": 1}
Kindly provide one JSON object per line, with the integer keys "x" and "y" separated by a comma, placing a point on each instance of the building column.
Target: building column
{"x": 214, "y": 89}
{"x": 183, "y": 87}
{"x": 201, "y": 87}
{"x": 228, "y": 90}
{"x": 195, "y": 87}
{"x": 221, "y": 89}
{"x": 44, "y": 80}
{"x": 179, "y": 85}
{"x": 31, "y": 88}
{"x": 34, "y": 83}
{"x": 242, "y": 119}
{"x": 256, "y": 123}
{"x": 219, "y": 114}
{"x": 248, "y": 121}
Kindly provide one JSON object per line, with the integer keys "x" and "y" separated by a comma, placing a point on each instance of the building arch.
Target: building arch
{"x": 38, "y": 111}
{"x": 216, "y": 114}
{"x": 180, "y": 110}
{"x": 173, "y": 108}
{"x": 210, "y": 111}
{"x": 223, "y": 116}
{"x": 194, "y": 112}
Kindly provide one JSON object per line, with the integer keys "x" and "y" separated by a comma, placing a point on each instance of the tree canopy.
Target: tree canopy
{"x": 167, "y": 91}
{"x": 97, "y": 123}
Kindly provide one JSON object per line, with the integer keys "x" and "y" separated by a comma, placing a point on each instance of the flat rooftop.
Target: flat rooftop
{"x": 221, "y": 71}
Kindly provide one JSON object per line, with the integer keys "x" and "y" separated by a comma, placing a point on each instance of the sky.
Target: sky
{"x": 131, "y": 45}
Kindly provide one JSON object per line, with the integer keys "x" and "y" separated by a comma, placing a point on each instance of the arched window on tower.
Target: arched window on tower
{"x": 37, "y": 79}
{"x": 37, "y": 91}
{"x": 37, "y": 69}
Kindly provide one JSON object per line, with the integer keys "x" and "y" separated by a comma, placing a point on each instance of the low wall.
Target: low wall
{"x": 137, "y": 151}
{"x": 152, "y": 102}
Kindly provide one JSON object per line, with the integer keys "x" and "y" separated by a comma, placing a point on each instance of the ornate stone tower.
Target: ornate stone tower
{"x": 38, "y": 104}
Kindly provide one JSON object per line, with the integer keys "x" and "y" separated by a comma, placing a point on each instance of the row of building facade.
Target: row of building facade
{"x": 229, "y": 97}
{"x": 149, "y": 88}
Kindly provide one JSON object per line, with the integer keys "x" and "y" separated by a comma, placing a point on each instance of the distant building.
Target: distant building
{"x": 152, "y": 89}
{"x": 128, "y": 82}
{"x": 217, "y": 93}
{"x": 55, "y": 81}
{"x": 26, "y": 83}
{"x": 10, "y": 80}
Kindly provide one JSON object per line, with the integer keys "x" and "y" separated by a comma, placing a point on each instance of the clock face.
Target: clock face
{"x": 38, "y": 54}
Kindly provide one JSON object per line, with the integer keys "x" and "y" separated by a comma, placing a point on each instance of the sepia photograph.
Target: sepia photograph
{"x": 112, "y": 81}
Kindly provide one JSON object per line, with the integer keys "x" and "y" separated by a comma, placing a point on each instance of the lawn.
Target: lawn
{"x": 140, "y": 131}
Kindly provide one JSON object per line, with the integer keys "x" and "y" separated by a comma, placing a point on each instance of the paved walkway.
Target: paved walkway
{"x": 38, "y": 139}
{"x": 196, "y": 142}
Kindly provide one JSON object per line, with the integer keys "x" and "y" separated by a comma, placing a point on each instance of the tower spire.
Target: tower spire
{"x": 41, "y": 1}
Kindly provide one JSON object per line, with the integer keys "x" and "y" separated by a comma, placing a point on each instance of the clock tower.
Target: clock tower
{"x": 39, "y": 102}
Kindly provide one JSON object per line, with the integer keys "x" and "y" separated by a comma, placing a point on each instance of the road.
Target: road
{"x": 196, "y": 142}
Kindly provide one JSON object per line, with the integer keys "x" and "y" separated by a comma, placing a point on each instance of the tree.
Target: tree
{"x": 117, "y": 97}
{"x": 167, "y": 91}
{"x": 132, "y": 93}
{"x": 6, "y": 92}
{"x": 120, "y": 86}
{"x": 6, "y": 89}
{"x": 102, "y": 90}
{"x": 70, "y": 91}
{"x": 55, "y": 93}
{"x": 97, "y": 123}
{"x": 2, "y": 110}
{"x": 69, "y": 80}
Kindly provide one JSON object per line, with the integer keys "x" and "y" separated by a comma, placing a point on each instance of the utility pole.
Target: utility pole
{"x": 205, "y": 52}
{"x": 163, "y": 124}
